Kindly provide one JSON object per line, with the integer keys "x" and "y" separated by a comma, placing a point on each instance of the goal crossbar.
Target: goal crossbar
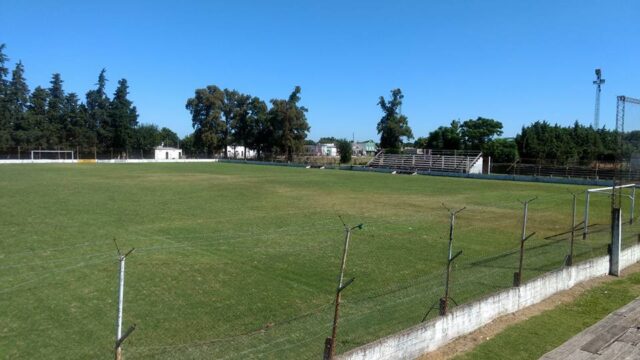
{"x": 33, "y": 152}
{"x": 607, "y": 191}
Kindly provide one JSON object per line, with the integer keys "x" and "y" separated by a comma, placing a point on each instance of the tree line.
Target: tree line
{"x": 539, "y": 142}
{"x": 50, "y": 118}
{"x": 221, "y": 118}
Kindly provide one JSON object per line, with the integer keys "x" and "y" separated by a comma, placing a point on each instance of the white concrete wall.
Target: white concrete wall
{"x": 167, "y": 154}
{"x": 629, "y": 256}
{"x": 477, "y": 167}
{"x": 416, "y": 341}
{"x": 142, "y": 161}
{"x": 44, "y": 161}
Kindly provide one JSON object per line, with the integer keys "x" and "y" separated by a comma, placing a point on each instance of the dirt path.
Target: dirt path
{"x": 468, "y": 342}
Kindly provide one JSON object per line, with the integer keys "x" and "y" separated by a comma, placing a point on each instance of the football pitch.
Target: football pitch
{"x": 240, "y": 261}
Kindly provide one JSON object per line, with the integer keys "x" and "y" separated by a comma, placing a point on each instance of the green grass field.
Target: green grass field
{"x": 535, "y": 337}
{"x": 240, "y": 261}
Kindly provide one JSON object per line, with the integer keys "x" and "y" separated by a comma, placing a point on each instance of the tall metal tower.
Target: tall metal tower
{"x": 598, "y": 82}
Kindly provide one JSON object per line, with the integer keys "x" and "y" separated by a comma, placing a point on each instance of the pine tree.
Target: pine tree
{"x": 35, "y": 126}
{"x": 124, "y": 118}
{"x": 55, "y": 112}
{"x": 97, "y": 104}
{"x": 76, "y": 133}
{"x": 5, "y": 113}
{"x": 18, "y": 100}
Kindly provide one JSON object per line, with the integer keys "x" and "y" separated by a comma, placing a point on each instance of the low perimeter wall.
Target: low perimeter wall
{"x": 114, "y": 161}
{"x": 428, "y": 336}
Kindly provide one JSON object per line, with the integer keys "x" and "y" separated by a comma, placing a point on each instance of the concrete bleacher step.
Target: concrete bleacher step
{"x": 426, "y": 162}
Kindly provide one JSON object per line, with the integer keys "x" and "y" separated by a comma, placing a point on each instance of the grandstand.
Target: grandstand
{"x": 430, "y": 160}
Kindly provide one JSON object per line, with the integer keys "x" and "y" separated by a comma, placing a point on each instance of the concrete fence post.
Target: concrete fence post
{"x": 616, "y": 242}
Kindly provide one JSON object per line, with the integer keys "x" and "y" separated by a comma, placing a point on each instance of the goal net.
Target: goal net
{"x": 52, "y": 155}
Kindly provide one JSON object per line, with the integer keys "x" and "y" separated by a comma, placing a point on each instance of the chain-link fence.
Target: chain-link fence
{"x": 258, "y": 280}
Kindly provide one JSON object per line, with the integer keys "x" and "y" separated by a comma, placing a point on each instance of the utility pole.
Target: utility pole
{"x": 119, "y": 336}
{"x": 598, "y": 83}
{"x": 517, "y": 277}
{"x": 330, "y": 343}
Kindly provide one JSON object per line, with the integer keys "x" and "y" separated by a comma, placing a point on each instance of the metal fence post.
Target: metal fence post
{"x": 119, "y": 336}
{"x": 330, "y": 343}
{"x": 517, "y": 276}
{"x": 573, "y": 230}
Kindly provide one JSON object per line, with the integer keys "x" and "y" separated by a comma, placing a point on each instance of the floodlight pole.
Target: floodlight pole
{"x": 444, "y": 301}
{"x": 330, "y": 343}
{"x": 598, "y": 83}
{"x": 119, "y": 337}
{"x": 517, "y": 277}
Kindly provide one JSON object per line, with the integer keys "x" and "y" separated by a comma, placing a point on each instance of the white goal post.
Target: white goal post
{"x": 37, "y": 154}
{"x": 607, "y": 191}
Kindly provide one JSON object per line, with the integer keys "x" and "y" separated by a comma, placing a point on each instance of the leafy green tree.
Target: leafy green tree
{"x": 233, "y": 105}
{"x": 421, "y": 143}
{"x": 168, "y": 137}
{"x": 250, "y": 123}
{"x": 242, "y": 121}
{"x": 189, "y": 148}
{"x": 123, "y": 116}
{"x": 327, "y": 140}
{"x": 476, "y": 133}
{"x": 290, "y": 123}
{"x": 145, "y": 138}
{"x": 345, "y": 150}
{"x": 446, "y": 137}
{"x": 206, "y": 117}
{"x": 262, "y": 137}
{"x": 501, "y": 150}
{"x": 393, "y": 126}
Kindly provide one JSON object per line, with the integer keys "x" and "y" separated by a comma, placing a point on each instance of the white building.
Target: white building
{"x": 239, "y": 152}
{"x": 321, "y": 150}
{"x": 167, "y": 153}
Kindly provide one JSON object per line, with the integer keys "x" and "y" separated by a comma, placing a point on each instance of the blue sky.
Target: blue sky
{"x": 513, "y": 61}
